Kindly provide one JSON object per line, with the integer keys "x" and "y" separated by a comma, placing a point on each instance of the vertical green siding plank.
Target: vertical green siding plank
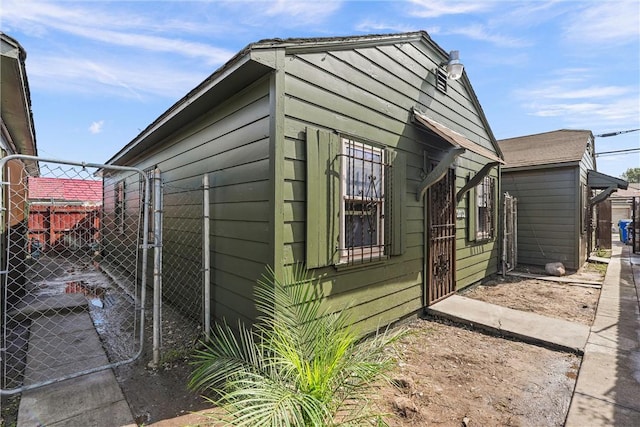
{"x": 397, "y": 197}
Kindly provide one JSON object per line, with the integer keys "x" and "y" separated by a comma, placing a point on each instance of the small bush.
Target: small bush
{"x": 298, "y": 366}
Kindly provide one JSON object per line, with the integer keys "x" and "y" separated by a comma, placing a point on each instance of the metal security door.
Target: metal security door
{"x": 441, "y": 235}
{"x": 603, "y": 229}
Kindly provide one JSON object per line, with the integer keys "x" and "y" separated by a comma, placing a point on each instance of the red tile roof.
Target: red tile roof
{"x": 65, "y": 189}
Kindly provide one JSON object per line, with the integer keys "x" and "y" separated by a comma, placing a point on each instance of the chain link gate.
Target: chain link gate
{"x": 74, "y": 243}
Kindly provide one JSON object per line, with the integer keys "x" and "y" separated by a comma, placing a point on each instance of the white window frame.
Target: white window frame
{"x": 376, "y": 249}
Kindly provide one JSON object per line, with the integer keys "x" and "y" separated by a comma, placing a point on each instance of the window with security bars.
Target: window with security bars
{"x": 485, "y": 208}
{"x": 362, "y": 219}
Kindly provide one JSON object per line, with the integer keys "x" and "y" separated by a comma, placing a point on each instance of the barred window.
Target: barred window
{"x": 485, "y": 209}
{"x": 362, "y": 225}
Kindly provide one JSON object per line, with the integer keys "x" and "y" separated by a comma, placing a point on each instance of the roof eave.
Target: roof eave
{"x": 17, "y": 115}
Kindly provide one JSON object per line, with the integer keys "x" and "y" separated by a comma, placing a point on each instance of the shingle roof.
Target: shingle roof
{"x": 65, "y": 189}
{"x": 560, "y": 146}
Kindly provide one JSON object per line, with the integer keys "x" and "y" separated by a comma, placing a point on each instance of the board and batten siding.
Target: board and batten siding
{"x": 548, "y": 224}
{"x": 368, "y": 94}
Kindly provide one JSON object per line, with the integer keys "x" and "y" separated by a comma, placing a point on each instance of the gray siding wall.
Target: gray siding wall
{"x": 548, "y": 218}
{"x": 352, "y": 92}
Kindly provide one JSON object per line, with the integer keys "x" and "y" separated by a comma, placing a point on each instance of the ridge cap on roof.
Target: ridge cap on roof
{"x": 276, "y": 41}
{"x": 546, "y": 133}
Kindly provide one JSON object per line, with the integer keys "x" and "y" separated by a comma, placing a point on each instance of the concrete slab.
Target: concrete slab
{"x": 611, "y": 307}
{"x": 610, "y": 332}
{"x": 55, "y": 352}
{"x": 114, "y": 414}
{"x": 89, "y": 400}
{"x": 530, "y": 327}
{"x": 52, "y": 304}
{"x": 45, "y": 327}
{"x": 611, "y": 375}
{"x": 608, "y": 384}
{"x": 589, "y": 411}
{"x": 63, "y": 343}
{"x": 619, "y": 290}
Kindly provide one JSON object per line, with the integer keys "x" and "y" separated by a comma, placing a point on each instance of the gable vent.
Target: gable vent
{"x": 441, "y": 80}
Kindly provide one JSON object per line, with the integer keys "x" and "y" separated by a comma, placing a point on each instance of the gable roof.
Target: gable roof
{"x": 257, "y": 60}
{"x": 65, "y": 189}
{"x": 548, "y": 148}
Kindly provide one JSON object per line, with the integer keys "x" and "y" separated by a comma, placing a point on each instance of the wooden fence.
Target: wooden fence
{"x": 63, "y": 227}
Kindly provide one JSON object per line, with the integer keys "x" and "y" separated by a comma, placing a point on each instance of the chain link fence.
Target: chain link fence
{"x": 78, "y": 244}
{"x": 73, "y": 248}
{"x": 182, "y": 314}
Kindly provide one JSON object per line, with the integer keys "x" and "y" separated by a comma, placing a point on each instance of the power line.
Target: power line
{"x": 629, "y": 150}
{"x": 620, "y": 132}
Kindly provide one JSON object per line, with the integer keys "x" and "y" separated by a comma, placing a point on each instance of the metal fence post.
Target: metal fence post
{"x": 206, "y": 257}
{"x": 157, "y": 266}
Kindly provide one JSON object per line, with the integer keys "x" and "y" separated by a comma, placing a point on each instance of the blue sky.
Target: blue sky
{"x": 101, "y": 71}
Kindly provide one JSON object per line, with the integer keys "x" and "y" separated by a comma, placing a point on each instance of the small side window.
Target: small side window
{"x": 485, "y": 206}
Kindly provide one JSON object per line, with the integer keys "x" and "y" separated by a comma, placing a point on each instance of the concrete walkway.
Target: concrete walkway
{"x": 63, "y": 341}
{"x": 525, "y": 326}
{"x": 607, "y": 392}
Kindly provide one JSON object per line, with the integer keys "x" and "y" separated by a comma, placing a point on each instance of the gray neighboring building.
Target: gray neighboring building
{"x": 554, "y": 177}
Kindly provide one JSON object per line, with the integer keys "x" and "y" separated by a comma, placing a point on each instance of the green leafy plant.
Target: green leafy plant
{"x": 299, "y": 365}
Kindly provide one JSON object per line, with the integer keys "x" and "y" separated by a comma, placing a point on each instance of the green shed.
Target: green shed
{"x": 365, "y": 158}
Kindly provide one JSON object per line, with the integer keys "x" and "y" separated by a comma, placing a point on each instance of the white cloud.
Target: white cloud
{"x": 123, "y": 78}
{"x": 126, "y": 28}
{"x": 561, "y": 92}
{"x": 96, "y": 127}
{"x": 606, "y": 113}
{"x": 605, "y": 23}
{"x": 304, "y": 11}
{"x": 486, "y": 34}
{"x": 581, "y": 99}
{"x": 372, "y": 26}
{"x": 437, "y": 8}
{"x": 211, "y": 54}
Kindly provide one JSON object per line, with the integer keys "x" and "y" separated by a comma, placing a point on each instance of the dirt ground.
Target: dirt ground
{"x": 448, "y": 375}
